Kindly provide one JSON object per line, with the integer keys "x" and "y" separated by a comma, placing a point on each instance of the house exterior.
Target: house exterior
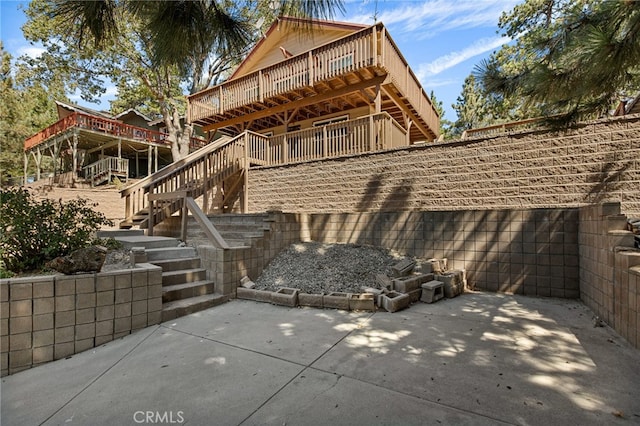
{"x": 305, "y": 74}
{"x": 97, "y": 146}
{"x": 308, "y": 90}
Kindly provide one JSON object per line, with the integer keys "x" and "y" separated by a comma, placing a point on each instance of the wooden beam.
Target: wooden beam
{"x": 416, "y": 120}
{"x": 298, "y": 103}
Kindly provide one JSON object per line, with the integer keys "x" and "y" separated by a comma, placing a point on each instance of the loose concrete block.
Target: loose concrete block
{"x": 20, "y": 341}
{"x": 43, "y": 338}
{"x": 362, "y": 302}
{"x": 384, "y": 281}
{"x": 414, "y": 295}
{"x": 394, "y": 301}
{"x": 403, "y": 268}
{"x": 42, "y": 354}
{"x": 63, "y": 350}
{"x": 104, "y": 328}
{"x": 410, "y": 283}
{"x": 21, "y": 291}
{"x": 44, "y": 306}
{"x": 372, "y": 290}
{"x": 285, "y": 296}
{"x": 312, "y": 300}
{"x": 20, "y": 325}
{"x": 253, "y": 294}
{"x": 453, "y": 283}
{"x": 432, "y": 291}
{"x": 337, "y": 300}
{"x": 438, "y": 266}
{"x": 138, "y": 255}
{"x": 21, "y": 308}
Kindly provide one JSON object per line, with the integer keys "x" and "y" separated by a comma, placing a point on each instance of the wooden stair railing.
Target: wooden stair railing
{"x": 195, "y": 174}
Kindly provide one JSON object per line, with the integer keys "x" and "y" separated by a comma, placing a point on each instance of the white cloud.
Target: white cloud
{"x": 31, "y": 51}
{"x": 454, "y": 58}
{"x": 435, "y": 16}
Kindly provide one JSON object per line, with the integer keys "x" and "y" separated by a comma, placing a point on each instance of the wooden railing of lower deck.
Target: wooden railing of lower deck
{"x": 367, "y": 134}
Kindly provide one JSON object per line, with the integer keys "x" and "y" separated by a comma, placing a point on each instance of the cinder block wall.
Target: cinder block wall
{"x": 532, "y": 252}
{"x": 610, "y": 270}
{"x": 45, "y": 318}
{"x": 587, "y": 164}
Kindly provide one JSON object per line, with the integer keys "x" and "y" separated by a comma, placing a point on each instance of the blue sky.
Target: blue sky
{"x": 441, "y": 39}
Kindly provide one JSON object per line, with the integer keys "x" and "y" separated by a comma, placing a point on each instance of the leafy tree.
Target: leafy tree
{"x": 471, "y": 107}
{"x": 152, "y": 50}
{"x": 25, "y": 108}
{"x": 445, "y": 125}
{"x": 572, "y": 59}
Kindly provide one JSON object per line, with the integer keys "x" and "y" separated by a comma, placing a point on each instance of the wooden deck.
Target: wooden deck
{"x": 345, "y": 74}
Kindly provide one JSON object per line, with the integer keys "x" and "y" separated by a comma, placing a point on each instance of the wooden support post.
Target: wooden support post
{"x": 184, "y": 216}
{"x": 260, "y": 87}
{"x": 25, "y": 157}
{"x": 149, "y": 160}
{"x": 311, "y": 70}
{"x": 378, "y": 100}
{"x": 74, "y": 157}
{"x": 245, "y": 198}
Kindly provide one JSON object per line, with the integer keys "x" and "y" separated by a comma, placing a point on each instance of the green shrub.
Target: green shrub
{"x": 35, "y": 232}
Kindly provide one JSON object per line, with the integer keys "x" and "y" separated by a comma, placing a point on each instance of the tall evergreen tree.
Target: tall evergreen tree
{"x": 572, "y": 59}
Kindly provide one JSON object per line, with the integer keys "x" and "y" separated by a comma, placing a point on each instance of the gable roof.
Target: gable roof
{"x": 283, "y": 26}
{"x": 77, "y": 108}
{"x": 132, "y": 111}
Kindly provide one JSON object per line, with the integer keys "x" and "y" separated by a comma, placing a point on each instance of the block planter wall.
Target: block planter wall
{"x": 610, "y": 270}
{"x": 44, "y": 318}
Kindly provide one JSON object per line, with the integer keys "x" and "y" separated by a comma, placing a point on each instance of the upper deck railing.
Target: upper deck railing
{"x": 102, "y": 125}
{"x": 366, "y": 48}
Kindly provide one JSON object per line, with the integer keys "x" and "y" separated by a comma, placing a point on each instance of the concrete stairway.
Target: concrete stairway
{"x": 237, "y": 229}
{"x": 185, "y": 286}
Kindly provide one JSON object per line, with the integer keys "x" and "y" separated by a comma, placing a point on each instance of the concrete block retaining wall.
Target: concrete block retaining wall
{"x": 609, "y": 274}
{"x": 44, "y": 318}
{"x": 590, "y": 163}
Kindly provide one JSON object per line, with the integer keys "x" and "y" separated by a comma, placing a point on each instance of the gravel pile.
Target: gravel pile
{"x": 322, "y": 268}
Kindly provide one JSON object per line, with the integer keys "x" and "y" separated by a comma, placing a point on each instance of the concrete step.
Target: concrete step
{"x": 183, "y": 276}
{"x": 120, "y": 233}
{"x": 179, "y": 308}
{"x": 616, "y": 222}
{"x": 148, "y": 242}
{"x": 170, "y": 253}
{"x": 178, "y": 264}
{"x": 175, "y": 292}
{"x": 620, "y": 239}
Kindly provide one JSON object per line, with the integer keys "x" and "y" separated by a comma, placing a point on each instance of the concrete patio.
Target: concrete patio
{"x": 480, "y": 358}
